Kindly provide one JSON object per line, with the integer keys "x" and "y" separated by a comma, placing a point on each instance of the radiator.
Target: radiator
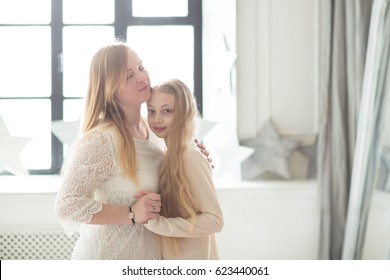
{"x": 36, "y": 245}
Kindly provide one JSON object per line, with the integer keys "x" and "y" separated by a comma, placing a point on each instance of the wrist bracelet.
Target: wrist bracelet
{"x": 131, "y": 215}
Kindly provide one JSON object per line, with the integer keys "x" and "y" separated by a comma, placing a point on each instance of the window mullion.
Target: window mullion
{"x": 122, "y": 14}
{"x": 57, "y": 96}
{"x": 195, "y": 13}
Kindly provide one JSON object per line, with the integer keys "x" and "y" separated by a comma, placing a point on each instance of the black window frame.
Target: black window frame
{"x": 123, "y": 19}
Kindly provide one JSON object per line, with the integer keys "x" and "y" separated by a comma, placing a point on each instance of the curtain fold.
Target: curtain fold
{"x": 344, "y": 26}
{"x": 371, "y": 136}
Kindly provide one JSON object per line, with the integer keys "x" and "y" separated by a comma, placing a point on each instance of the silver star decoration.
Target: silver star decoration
{"x": 66, "y": 132}
{"x": 310, "y": 152}
{"x": 10, "y": 148}
{"x": 228, "y": 152}
{"x": 271, "y": 154}
{"x": 204, "y": 127}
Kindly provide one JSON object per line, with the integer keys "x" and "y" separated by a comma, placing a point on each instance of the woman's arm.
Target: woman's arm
{"x": 92, "y": 161}
{"x": 210, "y": 218}
{"x": 143, "y": 209}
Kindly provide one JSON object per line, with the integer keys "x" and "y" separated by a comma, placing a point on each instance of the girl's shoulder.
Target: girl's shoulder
{"x": 193, "y": 152}
{"x": 195, "y": 161}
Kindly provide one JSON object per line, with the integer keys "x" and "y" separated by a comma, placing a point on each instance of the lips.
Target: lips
{"x": 146, "y": 87}
{"x": 159, "y": 129}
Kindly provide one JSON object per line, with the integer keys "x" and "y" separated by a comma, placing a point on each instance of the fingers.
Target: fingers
{"x": 155, "y": 209}
{"x": 205, "y": 152}
{"x": 141, "y": 193}
{"x": 210, "y": 160}
{"x": 147, "y": 207}
{"x": 153, "y": 197}
{"x": 202, "y": 148}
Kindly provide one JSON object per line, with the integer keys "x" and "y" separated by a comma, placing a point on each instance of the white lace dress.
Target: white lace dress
{"x": 92, "y": 177}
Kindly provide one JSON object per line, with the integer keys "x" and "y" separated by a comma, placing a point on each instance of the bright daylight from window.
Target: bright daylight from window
{"x": 37, "y": 72}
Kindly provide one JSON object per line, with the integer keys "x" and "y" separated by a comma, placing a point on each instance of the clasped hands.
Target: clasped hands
{"x": 147, "y": 207}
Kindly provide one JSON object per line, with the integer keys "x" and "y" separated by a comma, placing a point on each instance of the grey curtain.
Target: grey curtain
{"x": 344, "y": 26}
{"x": 372, "y": 158}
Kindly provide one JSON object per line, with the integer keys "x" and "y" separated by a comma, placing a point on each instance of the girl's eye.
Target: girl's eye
{"x": 168, "y": 111}
{"x": 150, "y": 111}
{"x": 129, "y": 77}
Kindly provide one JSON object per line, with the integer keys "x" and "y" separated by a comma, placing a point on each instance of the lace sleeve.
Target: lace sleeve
{"x": 90, "y": 162}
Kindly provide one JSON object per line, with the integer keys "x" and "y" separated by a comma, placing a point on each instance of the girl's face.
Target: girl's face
{"x": 137, "y": 88}
{"x": 161, "y": 111}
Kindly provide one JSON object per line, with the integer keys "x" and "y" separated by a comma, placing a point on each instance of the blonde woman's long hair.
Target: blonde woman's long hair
{"x": 107, "y": 76}
{"x": 176, "y": 197}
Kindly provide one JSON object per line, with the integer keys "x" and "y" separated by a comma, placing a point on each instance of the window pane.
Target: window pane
{"x": 30, "y": 118}
{"x": 80, "y": 44}
{"x": 158, "y": 8}
{"x": 162, "y": 55}
{"x": 73, "y": 109}
{"x": 25, "y": 11}
{"x": 25, "y": 55}
{"x": 88, "y": 11}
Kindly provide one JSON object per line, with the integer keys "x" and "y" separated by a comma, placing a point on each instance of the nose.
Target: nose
{"x": 142, "y": 78}
{"x": 157, "y": 118}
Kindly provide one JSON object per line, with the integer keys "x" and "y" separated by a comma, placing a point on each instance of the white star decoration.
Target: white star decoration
{"x": 66, "y": 132}
{"x": 204, "y": 128}
{"x": 10, "y": 148}
{"x": 223, "y": 60}
{"x": 229, "y": 154}
{"x": 271, "y": 154}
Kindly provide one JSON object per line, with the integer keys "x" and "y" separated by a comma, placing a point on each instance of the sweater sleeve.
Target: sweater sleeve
{"x": 89, "y": 164}
{"x": 210, "y": 219}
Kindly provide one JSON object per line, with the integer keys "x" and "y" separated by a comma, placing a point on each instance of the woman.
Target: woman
{"x": 115, "y": 157}
{"x": 190, "y": 211}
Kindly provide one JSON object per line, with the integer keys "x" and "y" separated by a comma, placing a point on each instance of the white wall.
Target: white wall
{"x": 277, "y": 66}
{"x": 270, "y": 221}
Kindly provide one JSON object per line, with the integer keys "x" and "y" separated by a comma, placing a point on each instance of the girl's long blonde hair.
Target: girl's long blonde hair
{"x": 107, "y": 76}
{"x": 176, "y": 197}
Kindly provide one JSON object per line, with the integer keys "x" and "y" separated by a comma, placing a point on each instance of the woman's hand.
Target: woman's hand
{"x": 204, "y": 151}
{"x": 147, "y": 207}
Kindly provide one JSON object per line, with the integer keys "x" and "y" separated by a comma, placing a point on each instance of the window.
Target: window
{"x": 45, "y": 58}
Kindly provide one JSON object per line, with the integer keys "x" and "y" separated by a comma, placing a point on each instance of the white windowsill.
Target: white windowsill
{"x": 51, "y": 183}
{"x": 29, "y": 184}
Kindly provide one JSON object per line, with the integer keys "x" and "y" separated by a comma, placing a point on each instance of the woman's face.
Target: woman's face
{"x": 137, "y": 88}
{"x": 161, "y": 111}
